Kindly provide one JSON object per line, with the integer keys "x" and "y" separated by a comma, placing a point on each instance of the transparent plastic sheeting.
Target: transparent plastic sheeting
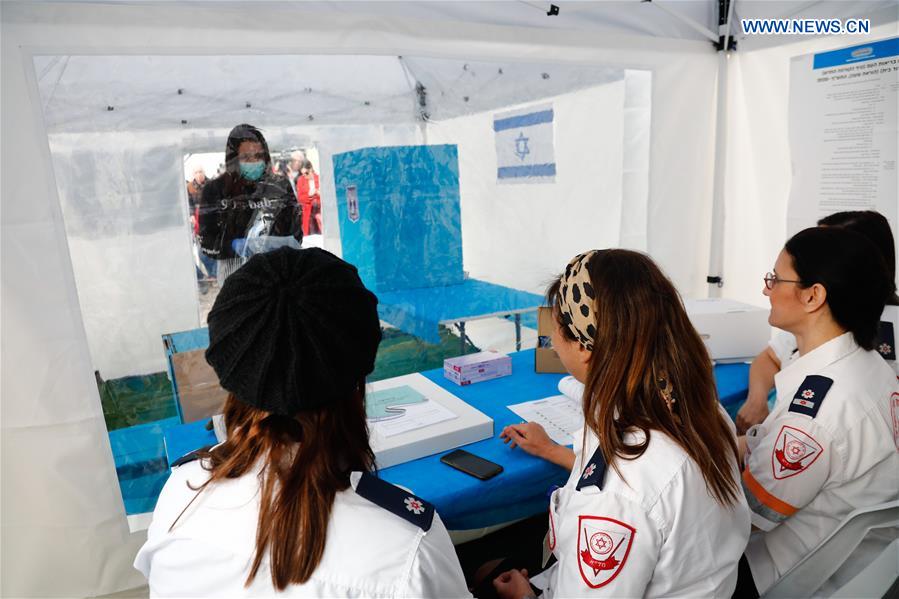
{"x": 430, "y": 227}
{"x": 124, "y": 203}
{"x": 125, "y": 211}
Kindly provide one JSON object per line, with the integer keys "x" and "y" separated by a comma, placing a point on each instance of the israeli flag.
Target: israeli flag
{"x": 524, "y": 145}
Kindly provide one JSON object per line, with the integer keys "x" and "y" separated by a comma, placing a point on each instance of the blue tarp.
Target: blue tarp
{"x": 140, "y": 461}
{"x": 418, "y": 311}
{"x": 399, "y": 215}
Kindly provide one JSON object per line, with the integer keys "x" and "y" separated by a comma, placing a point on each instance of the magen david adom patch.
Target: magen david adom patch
{"x": 603, "y": 546}
{"x": 794, "y": 451}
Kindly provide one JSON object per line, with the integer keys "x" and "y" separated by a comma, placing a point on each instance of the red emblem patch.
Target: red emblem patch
{"x": 794, "y": 451}
{"x": 894, "y": 411}
{"x": 603, "y": 546}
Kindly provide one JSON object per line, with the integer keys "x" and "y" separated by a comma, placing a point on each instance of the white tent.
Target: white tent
{"x": 92, "y": 115}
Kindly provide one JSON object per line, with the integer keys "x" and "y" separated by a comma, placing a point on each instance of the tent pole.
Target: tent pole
{"x": 715, "y": 278}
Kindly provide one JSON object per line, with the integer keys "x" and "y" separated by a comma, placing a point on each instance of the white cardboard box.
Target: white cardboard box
{"x": 731, "y": 330}
{"x": 468, "y": 426}
{"x": 474, "y": 368}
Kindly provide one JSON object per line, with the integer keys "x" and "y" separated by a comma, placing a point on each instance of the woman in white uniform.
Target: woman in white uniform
{"x": 287, "y": 505}
{"x": 829, "y": 446}
{"x": 782, "y": 349}
{"x": 653, "y": 505}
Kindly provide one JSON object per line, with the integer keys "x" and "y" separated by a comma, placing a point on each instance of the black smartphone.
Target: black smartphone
{"x": 471, "y": 464}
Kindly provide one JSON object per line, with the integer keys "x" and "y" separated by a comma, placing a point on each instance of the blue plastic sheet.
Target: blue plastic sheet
{"x": 419, "y": 311}
{"x": 140, "y": 461}
{"x": 400, "y": 221}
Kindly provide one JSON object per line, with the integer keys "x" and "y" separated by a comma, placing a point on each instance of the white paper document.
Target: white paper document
{"x": 415, "y": 416}
{"x": 410, "y": 417}
{"x": 559, "y": 415}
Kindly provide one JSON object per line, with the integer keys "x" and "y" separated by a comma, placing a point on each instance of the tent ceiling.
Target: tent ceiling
{"x": 115, "y": 93}
{"x": 618, "y": 17}
{"x": 326, "y": 90}
{"x": 601, "y": 17}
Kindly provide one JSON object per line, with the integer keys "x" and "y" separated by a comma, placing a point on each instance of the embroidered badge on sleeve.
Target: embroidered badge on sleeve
{"x": 594, "y": 472}
{"x": 810, "y": 394}
{"x": 794, "y": 451}
{"x": 398, "y": 501}
{"x": 603, "y": 546}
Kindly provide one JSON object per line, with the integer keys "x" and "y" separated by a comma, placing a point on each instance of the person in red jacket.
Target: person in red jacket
{"x": 309, "y": 196}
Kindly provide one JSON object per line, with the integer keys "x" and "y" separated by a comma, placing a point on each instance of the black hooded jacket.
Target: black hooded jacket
{"x": 231, "y": 204}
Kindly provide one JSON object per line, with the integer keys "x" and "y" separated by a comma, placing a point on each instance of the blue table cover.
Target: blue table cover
{"x": 419, "y": 311}
{"x": 140, "y": 462}
{"x": 465, "y": 502}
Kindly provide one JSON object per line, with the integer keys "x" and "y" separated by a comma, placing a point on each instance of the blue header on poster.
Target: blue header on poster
{"x": 862, "y": 53}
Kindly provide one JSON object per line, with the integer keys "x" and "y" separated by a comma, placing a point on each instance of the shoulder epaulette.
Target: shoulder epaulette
{"x": 594, "y": 472}
{"x": 393, "y": 499}
{"x": 886, "y": 340}
{"x": 190, "y": 457}
{"x": 810, "y": 395}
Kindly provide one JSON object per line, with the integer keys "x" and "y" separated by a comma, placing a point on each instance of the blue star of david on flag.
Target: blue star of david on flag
{"x": 525, "y": 151}
{"x": 521, "y": 146}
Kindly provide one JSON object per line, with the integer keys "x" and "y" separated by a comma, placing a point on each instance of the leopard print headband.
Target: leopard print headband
{"x": 577, "y": 296}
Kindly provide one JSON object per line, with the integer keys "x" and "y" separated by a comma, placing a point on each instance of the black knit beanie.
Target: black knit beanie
{"x": 293, "y": 330}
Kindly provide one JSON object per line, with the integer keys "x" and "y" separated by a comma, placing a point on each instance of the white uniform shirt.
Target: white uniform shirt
{"x": 825, "y": 449}
{"x": 784, "y": 344}
{"x": 370, "y": 552}
{"x": 660, "y": 534}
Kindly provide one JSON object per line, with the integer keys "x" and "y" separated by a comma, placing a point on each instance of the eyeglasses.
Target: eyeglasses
{"x": 251, "y": 157}
{"x": 772, "y": 279}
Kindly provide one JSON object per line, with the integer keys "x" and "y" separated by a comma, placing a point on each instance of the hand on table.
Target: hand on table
{"x": 513, "y": 584}
{"x": 529, "y": 436}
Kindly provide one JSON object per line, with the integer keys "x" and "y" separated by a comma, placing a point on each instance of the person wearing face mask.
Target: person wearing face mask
{"x": 248, "y": 203}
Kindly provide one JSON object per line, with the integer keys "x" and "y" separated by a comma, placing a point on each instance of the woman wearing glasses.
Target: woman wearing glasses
{"x": 828, "y": 446}
{"x": 782, "y": 348}
{"x": 246, "y": 202}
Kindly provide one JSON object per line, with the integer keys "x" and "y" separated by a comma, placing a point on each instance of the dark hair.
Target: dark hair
{"x": 646, "y": 343}
{"x": 239, "y": 134}
{"x": 234, "y": 183}
{"x": 876, "y": 228}
{"x": 306, "y": 460}
{"x": 307, "y": 164}
{"x": 852, "y": 271}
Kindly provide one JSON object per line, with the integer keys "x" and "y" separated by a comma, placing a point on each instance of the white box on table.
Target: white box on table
{"x": 730, "y": 330}
{"x": 468, "y": 426}
{"x": 474, "y": 368}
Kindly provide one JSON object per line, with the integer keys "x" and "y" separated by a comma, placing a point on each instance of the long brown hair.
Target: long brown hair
{"x": 645, "y": 350}
{"x": 306, "y": 461}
